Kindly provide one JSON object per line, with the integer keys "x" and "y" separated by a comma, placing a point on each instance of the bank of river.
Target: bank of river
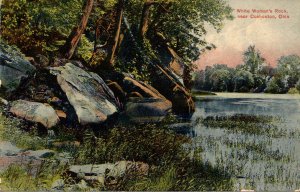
{"x": 255, "y": 138}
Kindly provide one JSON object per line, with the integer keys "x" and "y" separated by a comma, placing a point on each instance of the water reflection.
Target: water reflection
{"x": 263, "y": 161}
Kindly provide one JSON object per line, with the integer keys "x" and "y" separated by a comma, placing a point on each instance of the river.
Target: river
{"x": 264, "y": 160}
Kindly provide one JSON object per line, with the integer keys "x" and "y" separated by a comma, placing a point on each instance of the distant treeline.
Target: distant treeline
{"x": 254, "y": 75}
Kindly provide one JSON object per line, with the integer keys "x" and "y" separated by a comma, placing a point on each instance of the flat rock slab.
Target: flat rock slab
{"x": 7, "y": 149}
{"x": 91, "y": 98}
{"x": 11, "y": 154}
{"x": 36, "y": 112}
{"x": 143, "y": 110}
{"x": 116, "y": 170}
{"x": 14, "y": 67}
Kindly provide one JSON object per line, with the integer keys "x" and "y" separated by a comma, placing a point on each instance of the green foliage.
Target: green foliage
{"x": 216, "y": 78}
{"x": 252, "y": 76}
{"x": 27, "y": 178}
{"x": 293, "y": 91}
{"x": 183, "y": 23}
{"x": 180, "y": 25}
{"x": 288, "y": 69}
{"x": 243, "y": 81}
{"x": 85, "y": 49}
{"x": 220, "y": 80}
{"x": 298, "y": 85}
{"x": 35, "y": 25}
{"x": 253, "y": 61}
{"x": 275, "y": 85}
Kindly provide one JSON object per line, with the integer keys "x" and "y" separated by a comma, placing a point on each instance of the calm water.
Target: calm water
{"x": 256, "y": 161}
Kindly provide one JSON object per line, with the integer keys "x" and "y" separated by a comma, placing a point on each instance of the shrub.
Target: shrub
{"x": 275, "y": 85}
{"x": 293, "y": 91}
{"x": 298, "y": 85}
{"x": 139, "y": 143}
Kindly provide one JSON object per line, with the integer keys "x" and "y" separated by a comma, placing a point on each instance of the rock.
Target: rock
{"x": 118, "y": 91}
{"x": 132, "y": 85}
{"x": 55, "y": 100}
{"x": 13, "y": 68}
{"x": 135, "y": 94}
{"x": 91, "y": 98}
{"x": 43, "y": 153}
{"x": 122, "y": 168}
{"x": 98, "y": 170}
{"x": 36, "y": 112}
{"x": 173, "y": 90}
{"x": 61, "y": 114}
{"x": 82, "y": 185}
{"x": 61, "y": 144}
{"x": 58, "y": 184}
{"x": 109, "y": 171}
{"x": 3, "y": 101}
{"x": 95, "y": 179}
{"x": 142, "y": 110}
{"x": 8, "y": 149}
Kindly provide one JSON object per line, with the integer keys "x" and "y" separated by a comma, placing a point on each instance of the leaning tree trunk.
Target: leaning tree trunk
{"x": 145, "y": 17}
{"x": 119, "y": 18}
{"x": 74, "y": 37}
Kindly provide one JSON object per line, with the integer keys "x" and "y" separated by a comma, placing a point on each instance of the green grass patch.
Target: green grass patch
{"x": 27, "y": 178}
{"x": 250, "y": 124}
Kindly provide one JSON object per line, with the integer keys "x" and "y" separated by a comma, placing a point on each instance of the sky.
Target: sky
{"x": 272, "y": 37}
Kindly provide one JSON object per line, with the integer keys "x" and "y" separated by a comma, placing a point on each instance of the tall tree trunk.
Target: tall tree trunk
{"x": 74, "y": 37}
{"x": 119, "y": 18}
{"x": 145, "y": 17}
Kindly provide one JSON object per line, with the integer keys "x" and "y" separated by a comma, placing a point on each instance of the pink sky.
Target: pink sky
{"x": 273, "y": 37}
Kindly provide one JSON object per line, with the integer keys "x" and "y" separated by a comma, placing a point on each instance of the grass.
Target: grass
{"x": 26, "y": 178}
{"x": 11, "y": 130}
{"x": 250, "y": 124}
{"x": 174, "y": 163}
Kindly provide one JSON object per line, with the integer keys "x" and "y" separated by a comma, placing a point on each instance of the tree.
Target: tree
{"x": 74, "y": 37}
{"x": 253, "y": 61}
{"x": 288, "y": 68}
{"x": 119, "y": 18}
{"x": 220, "y": 80}
{"x": 275, "y": 85}
{"x": 298, "y": 85}
{"x": 145, "y": 17}
{"x": 183, "y": 24}
{"x": 36, "y": 26}
{"x": 243, "y": 81}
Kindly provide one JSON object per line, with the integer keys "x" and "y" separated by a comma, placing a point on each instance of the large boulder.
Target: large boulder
{"x": 145, "y": 110}
{"x": 36, "y": 112}
{"x": 91, "y": 98}
{"x": 13, "y": 68}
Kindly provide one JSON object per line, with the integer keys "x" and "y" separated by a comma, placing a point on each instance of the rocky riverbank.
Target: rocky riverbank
{"x": 66, "y": 127}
